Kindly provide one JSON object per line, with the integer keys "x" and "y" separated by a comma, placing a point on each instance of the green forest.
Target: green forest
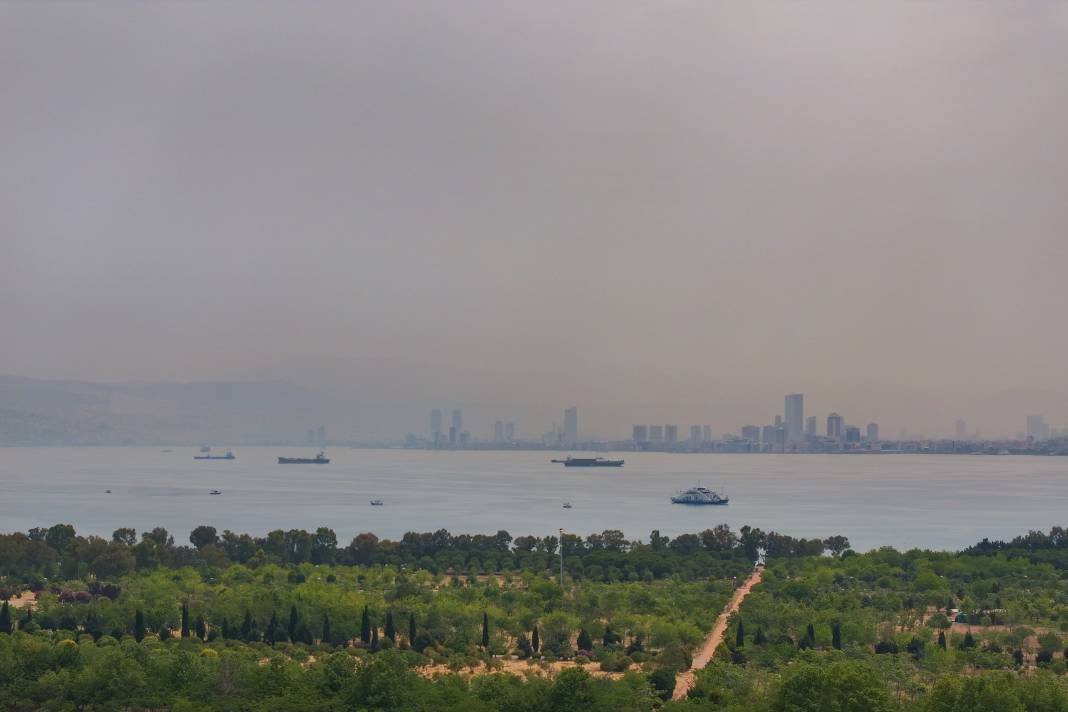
{"x": 295, "y": 620}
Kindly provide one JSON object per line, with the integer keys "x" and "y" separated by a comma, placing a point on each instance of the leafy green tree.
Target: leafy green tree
{"x": 365, "y": 626}
{"x": 485, "y": 631}
{"x": 662, "y": 681}
{"x": 960, "y": 693}
{"x": 139, "y": 625}
{"x": 185, "y": 619}
{"x": 125, "y": 536}
{"x": 842, "y": 686}
{"x": 523, "y": 645}
{"x": 584, "y": 642}
{"x": 391, "y": 630}
{"x": 203, "y": 536}
{"x": 739, "y": 637}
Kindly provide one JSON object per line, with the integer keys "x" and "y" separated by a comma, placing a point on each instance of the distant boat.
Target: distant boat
{"x": 107, "y": 491}
{"x": 320, "y": 459}
{"x": 215, "y": 492}
{"x": 567, "y": 505}
{"x": 589, "y": 462}
{"x": 699, "y": 495}
{"x": 377, "y": 503}
{"x": 166, "y": 450}
{"x": 228, "y": 456}
{"x": 205, "y": 448}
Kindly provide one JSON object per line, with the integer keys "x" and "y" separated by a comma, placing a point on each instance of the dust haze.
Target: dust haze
{"x": 658, "y": 212}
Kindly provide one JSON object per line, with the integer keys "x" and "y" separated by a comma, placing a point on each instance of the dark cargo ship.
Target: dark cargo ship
{"x": 228, "y": 456}
{"x": 320, "y": 459}
{"x": 589, "y": 462}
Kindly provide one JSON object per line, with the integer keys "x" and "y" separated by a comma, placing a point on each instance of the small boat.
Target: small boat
{"x": 320, "y": 459}
{"x": 699, "y": 495}
{"x": 215, "y": 492}
{"x": 567, "y": 505}
{"x": 228, "y": 456}
{"x": 377, "y": 503}
{"x": 107, "y": 491}
{"x": 588, "y": 462}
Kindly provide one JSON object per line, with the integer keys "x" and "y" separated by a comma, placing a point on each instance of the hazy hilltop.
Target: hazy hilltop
{"x": 49, "y": 412}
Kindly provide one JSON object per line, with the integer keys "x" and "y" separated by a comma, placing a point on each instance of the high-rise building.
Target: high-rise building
{"x": 811, "y": 426}
{"x": 435, "y": 424}
{"x": 767, "y": 435}
{"x": 454, "y": 435}
{"x": 961, "y": 429}
{"x": 498, "y": 431}
{"x": 835, "y": 427}
{"x": 1037, "y": 428}
{"x": 706, "y": 433}
{"x": 640, "y": 434}
{"x": 778, "y": 421}
{"x": 656, "y": 433}
{"x": 458, "y": 420}
{"x": 873, "y": 432}
{"x": 795, "y": 417}
{"x": 751, "y": 433}
{"x": 509, "y": 431}
{"x": 571, "y": 426}
{"x": 671, "y": 433}
{"x": 852, "y": 434}
{"x": 695, "y": 434}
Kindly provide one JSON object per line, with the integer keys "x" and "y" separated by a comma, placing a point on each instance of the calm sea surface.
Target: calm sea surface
{"x": 941, "y": 502}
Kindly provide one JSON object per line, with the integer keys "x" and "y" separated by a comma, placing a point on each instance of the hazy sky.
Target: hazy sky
{"x": 657, "y": 211}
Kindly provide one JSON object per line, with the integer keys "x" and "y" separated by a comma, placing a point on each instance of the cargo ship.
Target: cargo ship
{"x": 589, "y": 462}
{"x": 320, "y": 459}
{"x": 228, "y": 456}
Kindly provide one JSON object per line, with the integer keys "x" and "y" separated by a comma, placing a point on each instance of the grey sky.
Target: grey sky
{"x": 662, "y": 212}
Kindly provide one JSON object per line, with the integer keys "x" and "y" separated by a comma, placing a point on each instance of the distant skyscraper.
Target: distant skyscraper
{"x": 811, "y": 426}
{"x": 435, "y": 424}
{"x": 835, "y": 427}
{"x": 509, "y": 431}
{"x": 454, "y": 435}
{"x": 751, "y": 433}
{"x": 767, "y": 435}
{"x": 1037, "y": 428}
{"x": 498, "y": 431}
{"x": 458, "y": 420}
{"x": 571, "y": 426}
{"x": 706, "y": 433}
{"x": 961, "y": 429}
{"x": 671, "y": 433}
{"x": 778, "y": 421}
{"x": 640, "y": 434}
{"x": 656, "y": 433}
{"x": 695, "y": 433}
{"x": 873, "y": 432}
{"x": 795, "y": 417}
{"x": 852, "y": 434}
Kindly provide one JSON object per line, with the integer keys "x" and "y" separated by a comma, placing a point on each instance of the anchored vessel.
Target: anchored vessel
{"x": 699, "y": 495}
{"x": 589, "y": 462}
{"x": 228, "y": 456}
{"x": 320, "y": 459}
{"x": 377, "y": 503}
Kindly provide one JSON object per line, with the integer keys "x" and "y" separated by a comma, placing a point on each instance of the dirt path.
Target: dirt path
{"x": 684, "y": 681}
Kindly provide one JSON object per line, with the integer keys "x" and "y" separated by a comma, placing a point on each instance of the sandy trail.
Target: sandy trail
{"x": 684, "y": 680}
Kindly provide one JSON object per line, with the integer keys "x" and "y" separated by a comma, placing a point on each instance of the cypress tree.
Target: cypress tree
{"x": 610, "y": 638}
{"x": 584, "y": 642}
{"x": 810, "y": 631}
{"x": 294, "y": 619}
{"x": 942, "y": 639}
{"x": 5, "y": 619}
{"x": 391, "y": 630}
{"x": 327, "y": 637}
{"x": 535, "y": 639}
{"x": 248, "y": 628}
{"x": 759, "y": 638}
{"x": 374, "y": 639}
{"x": 485, "y": 631}
{"x": 411, "y": 628}
{"x": 365, "y": 627}
{"x": 139, "y": 625}
{"x": 202, "y": 628}
{"x": 739, "y": 638}
{"x": 164, "y": 633}
{"x": 185, "y": 619}
{"x": 836, "y": 635}
{"x": 224, "y": 630}
{"x": 270, "y": 633}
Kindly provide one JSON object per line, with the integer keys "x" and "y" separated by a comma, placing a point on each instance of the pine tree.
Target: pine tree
{"x": 485, "y": 631}
{"x": 739, "y": 638}
{"x": 411, "y": 629}
{"x": 5, "y": 619}
{"x": 202, "y": 628}
{"x": 523, "y": 645}
{"x": 185, "y": 619}
{"x": 535, "y": 639}
{"x": 139, "y": 625}
{"x": 391, "y": 631}
{"x": 327, "y": 637}
{"x": 294, "y": 619}
{"x": 584, "y": 641}
{"x": 374, "y": 639}
{"x": 610, "y": 639}
{"x": 365, "y": 626}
